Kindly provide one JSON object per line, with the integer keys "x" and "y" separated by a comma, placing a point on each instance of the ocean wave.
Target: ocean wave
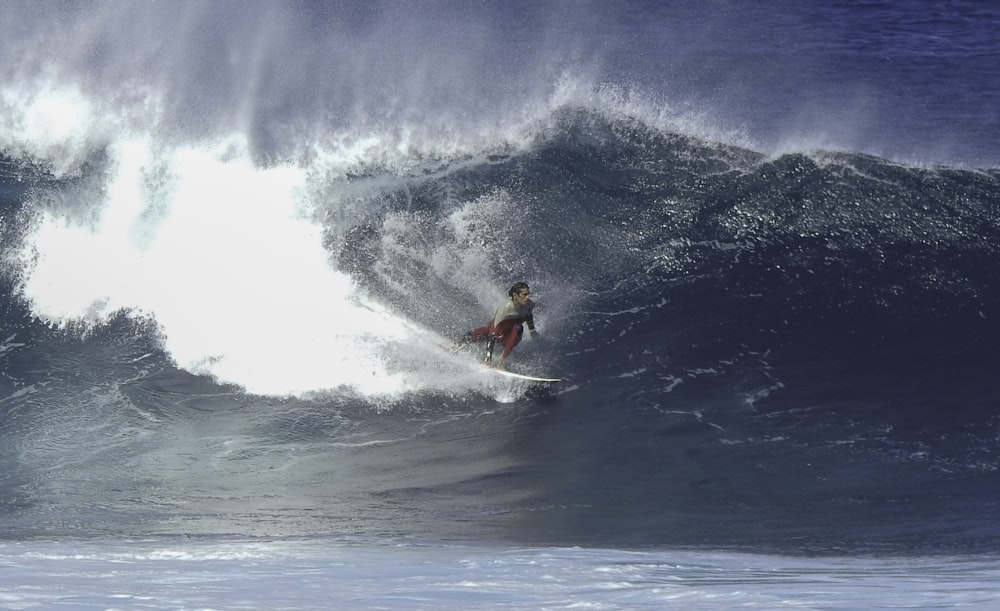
{"x": 787, "y": 349}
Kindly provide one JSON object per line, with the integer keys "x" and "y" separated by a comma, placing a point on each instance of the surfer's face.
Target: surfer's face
{"x": 521, "y": 297}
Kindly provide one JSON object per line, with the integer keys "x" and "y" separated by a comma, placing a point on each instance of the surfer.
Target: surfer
{"x": 507, "y": 326}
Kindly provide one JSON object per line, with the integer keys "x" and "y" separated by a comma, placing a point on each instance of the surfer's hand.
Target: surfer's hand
{"x": 534, "y": 333}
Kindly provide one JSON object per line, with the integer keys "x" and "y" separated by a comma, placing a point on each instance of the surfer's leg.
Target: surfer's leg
{"x": 478, "y": 334}
{"x": 488, "y": 357}
{"x": 512, "y": 339}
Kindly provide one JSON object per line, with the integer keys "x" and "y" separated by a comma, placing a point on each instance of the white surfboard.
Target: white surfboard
{"x": 479, "y": 366}
{"x": 521, "y": 376}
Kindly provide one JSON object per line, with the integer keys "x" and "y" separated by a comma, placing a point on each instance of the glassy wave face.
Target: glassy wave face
{"x": 229, "y": 310}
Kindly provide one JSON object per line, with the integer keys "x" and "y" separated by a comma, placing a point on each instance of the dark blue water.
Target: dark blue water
{"x": 763, "y": 241}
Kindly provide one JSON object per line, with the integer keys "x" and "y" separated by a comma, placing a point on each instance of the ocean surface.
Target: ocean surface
{"x": 237, "y": 240}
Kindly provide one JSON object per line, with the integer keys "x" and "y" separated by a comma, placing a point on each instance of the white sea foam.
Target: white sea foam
{"x": 321, "y": 574}
{"x": 225, "y": 257}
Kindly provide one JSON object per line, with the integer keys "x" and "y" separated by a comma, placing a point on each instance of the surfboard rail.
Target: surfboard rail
{"x": 522, "y": 376}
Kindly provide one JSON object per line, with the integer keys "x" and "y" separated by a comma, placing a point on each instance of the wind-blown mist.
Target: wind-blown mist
{"x": 287, "y": 75}
{"x": 367, "y": 78}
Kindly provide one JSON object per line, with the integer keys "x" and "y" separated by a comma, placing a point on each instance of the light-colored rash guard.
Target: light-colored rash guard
{"x": 509, "y": 311}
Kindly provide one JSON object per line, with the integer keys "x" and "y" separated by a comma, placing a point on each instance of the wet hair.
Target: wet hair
{"x": 517, "y": 288}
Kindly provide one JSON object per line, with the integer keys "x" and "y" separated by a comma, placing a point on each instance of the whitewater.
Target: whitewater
{"x": 238, "y": 241}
